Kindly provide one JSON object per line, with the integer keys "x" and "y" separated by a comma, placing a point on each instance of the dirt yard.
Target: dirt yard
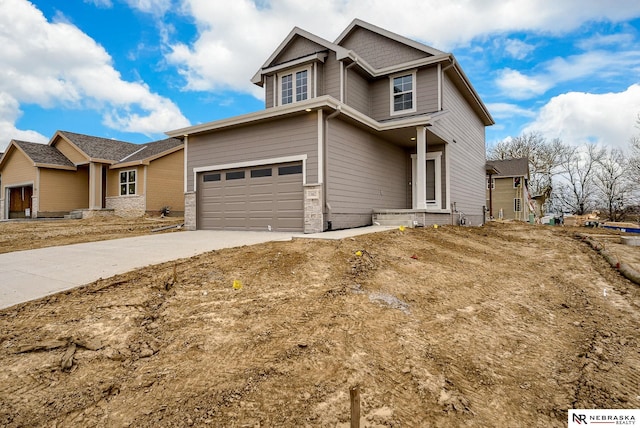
{"x": 504, "y": 325}
{"x": 31, "y": 234}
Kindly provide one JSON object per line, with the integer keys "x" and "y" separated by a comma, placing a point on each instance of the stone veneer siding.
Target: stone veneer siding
{"x": 2, "y": 209}
{"x": 190, "y": 211}
{"x": 313, "y": 220}
{"x": 127, "y": 206}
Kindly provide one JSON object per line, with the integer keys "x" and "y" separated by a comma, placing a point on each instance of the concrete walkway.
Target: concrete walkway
{"x": 31, "y": 274}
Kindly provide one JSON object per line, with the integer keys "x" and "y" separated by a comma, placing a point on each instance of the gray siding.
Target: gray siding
{"x": 357, "y": 94}
{"x": 268, "y": 90}
{"x": 466, "y": 155}
{"x": 427, "y": 90}
{"x": 380, "y": 99}
{"x": 426, "y": 94}
{"x": 378, "y": 50}
{"x": 363, "y": 172}
{"x": 284, "y": 137}
{"x": 298, "y": 48}
{"x": 331, "y": 77}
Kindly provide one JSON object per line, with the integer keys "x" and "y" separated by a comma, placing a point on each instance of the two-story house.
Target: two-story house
{"x": 370, "y": 125}
{"x": 507, "y": 191}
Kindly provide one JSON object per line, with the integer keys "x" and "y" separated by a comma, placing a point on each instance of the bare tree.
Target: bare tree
{"x": 634, "y": 160}
{"x": 611, "y": 179}
{"x": 577, "y": 191}
{"x": 545, "y": 159}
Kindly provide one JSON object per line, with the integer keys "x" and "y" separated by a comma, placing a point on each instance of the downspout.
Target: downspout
{"x": 440, "y": 79}
{"x": 346, "y": 79}
{"x": 490, "y": 196}
{"x": 327, "y": 204}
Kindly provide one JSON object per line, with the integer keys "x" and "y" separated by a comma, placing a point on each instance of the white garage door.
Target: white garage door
{"x": 256, "y": 198}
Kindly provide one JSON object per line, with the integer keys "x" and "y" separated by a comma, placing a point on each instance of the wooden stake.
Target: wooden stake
{"x": 354, "y": 392}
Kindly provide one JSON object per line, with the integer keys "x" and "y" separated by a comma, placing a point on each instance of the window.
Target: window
{"x": 517, "y": 204}
{"x": 294, "y": 86}
{"x": 403, "y": 93}
{"x": 256, "y": 173}
{"x": 434, "y": 165}
{"x": 211, "y": 177}
{"x": 236, "y": 175}
{"x": 516, "y": 182}
{"x": 493, "y": 183}
{"x": 128, "y": 182}
{"x": 289, "y": 170}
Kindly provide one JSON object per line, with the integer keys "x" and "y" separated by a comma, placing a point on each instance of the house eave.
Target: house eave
{"x": 323, "y": 102}
{"x": 147, "y": 161}
{"x": 54, "y": 166}
{"x": 258, "y": 78}
{"x": 339, "y": 50}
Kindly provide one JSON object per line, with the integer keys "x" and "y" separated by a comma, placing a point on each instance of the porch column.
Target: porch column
{"x": 420, "y": 180}
{"x": 95, "y": 186}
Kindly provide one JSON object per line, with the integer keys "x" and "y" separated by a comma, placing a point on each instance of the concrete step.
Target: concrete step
{"x": 393, "y": 222}
{"x": 74, "y": 215}
{"x": 403, "y": 217}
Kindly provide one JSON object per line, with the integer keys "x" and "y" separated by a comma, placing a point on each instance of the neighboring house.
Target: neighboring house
{"x": 508, "y": 189}
{"x": 355, "y": 131}
{"x": 81, "y": 172}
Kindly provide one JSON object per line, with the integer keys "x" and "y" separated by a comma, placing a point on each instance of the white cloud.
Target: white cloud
{"x": 598, "y": 64}
{"x": 235, "y": 37}
{"x": 518, "y": 86}
{"x": 577, "y": 118}
{"x": 56, "y": 64}
{"x": 508, "y": 110}
{"x": 154, "y": 7}
{"x": 100, "y": 3}
{"x": 9, "y": 114}
{"x": 518, "y": 49}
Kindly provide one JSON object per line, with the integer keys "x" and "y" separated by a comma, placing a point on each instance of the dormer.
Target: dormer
{"x": 295, "y": 71}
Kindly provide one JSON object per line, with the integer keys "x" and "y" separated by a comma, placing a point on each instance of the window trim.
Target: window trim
{"x": 433, "y": 205}
{"x": 414, "y": 101}
{"x": 517, "y": 205}
{"x": 519, "y": 180}
{"x": 294, "y": 93}
{"x": 128, "y": 183}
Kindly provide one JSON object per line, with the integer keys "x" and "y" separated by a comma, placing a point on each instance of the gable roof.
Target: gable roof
{"x": 116, "y": 152}
{"x": 97, "y": 148}
{"x": 40, "y": 154}
{"x": 358, "y": 23}
{"x": 432, "y": 56}
{"x": 510, "y": 167}
{"x": 146, "y": 153}
{"x": 296, "y": 32}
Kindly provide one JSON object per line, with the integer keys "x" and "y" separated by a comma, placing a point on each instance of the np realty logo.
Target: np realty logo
{"x": 580, "y": 418}
{"x": 600, "y": 417}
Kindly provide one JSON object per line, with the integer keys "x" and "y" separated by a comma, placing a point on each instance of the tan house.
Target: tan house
{"x": 370, "y": 128}
{"x": 80, "y": 172}
{"x": 507, "y": 191}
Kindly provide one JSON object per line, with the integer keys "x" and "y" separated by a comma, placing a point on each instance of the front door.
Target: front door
{"x": 20, "y": 201}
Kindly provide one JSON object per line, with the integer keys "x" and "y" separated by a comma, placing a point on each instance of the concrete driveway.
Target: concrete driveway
{"x": 31, "y": 274}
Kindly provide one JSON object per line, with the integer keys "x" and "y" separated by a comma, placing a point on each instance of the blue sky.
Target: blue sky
{"x": 132, "y": 69}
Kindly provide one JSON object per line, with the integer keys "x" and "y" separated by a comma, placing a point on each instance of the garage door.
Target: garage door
{"x": 256, "y": 198}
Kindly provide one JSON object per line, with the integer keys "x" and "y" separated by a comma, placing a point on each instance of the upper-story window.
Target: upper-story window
{"x": 294, "y": 86}
{"x": 403, "y": 93}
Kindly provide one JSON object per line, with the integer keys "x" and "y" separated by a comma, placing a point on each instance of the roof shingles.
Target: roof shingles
{"x": 43, "y": 154}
